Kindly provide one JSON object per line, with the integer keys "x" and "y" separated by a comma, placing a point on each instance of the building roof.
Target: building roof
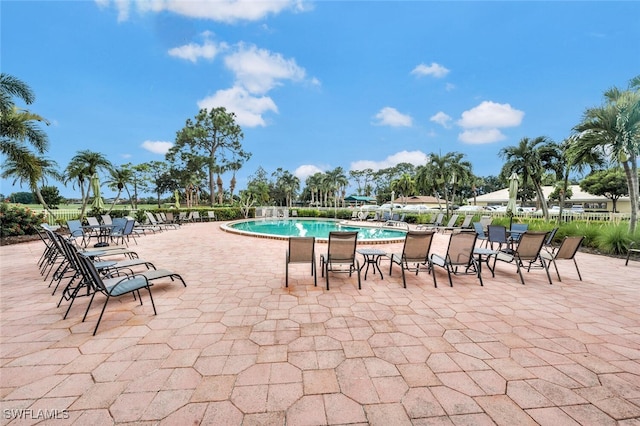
{"x": 419, "y": 199}
{"x": 578, "y": 195}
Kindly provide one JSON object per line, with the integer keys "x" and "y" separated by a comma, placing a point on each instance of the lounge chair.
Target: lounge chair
{"x": 437, "y": 221}
{"x": 301, "y": 250}
{"x": 375, "y": 218}
{"x": 112, "y": 287}
{"x": 341, "y": 251}
{"x": 459, "y": 258}
{"x": 195, "y": 216}
{"x": 415, "y": 251}
{"x": 450, "y": 226}
{"x": 527, "y": 252}
{"x": 106, "y": 219}
{"x": 211, "y": 216}
{"x": 630, "y": 250}
{"x": 566, "y": 251}
{"x": 465, "y": 225}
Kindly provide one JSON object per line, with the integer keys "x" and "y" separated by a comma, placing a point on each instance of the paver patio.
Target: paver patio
{"x": 237, "y": 347}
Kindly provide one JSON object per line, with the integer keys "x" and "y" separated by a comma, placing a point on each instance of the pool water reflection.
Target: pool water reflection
{"x": 318, "y": 228}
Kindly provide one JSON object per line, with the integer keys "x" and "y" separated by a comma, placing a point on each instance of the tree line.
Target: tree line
{"x": 605, "y": 145}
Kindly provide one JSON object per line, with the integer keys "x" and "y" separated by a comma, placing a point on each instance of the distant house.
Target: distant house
{"x": 589, "y": 202}
{"x": 358, "y": 200}
{"x": 427, "y": 200}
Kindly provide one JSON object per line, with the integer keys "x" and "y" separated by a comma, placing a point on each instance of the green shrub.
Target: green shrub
{"x": 18, "y": 220}
{"x": 589, "y": 231}
{"x": 614, "y": 239}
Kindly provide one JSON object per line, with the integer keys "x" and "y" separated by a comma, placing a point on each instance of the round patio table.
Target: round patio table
{"x": 371, "y": 257}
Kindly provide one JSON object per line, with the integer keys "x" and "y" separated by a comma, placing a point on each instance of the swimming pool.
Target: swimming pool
{"x": 319, "y": 228}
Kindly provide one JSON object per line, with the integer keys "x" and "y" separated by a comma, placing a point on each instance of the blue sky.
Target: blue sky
{"x": 317, "y": 85}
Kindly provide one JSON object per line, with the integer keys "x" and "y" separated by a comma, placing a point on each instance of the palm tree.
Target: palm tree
{"x": 19, "y": 127}
{"x": 530, "y": 159}
{"x": 313, "y": 183}
{"x": 336, "y": 179}
{"x": 118, "y": 180}
{"x": 403, "y": 186}
{"x": 576, "y": 157}
{"x": 289, "y": 184}
{"x": 31, "y": 169}
{"x": 615, "y": 129}
{"x": 81, "y": 167}
{"x": 442, "y": 173}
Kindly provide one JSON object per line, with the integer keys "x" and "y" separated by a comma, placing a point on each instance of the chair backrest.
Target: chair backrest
{"x": 460, "y": 250}
{"x": 416, "y": 246}
{"x": 211, "y": 214}
{"x": 182, "y": 215}
{"x": 91, "y": 273}
{"x": 75, "y": 228}
{"x": 466, "y": 223}
{"x": 128, "y": 227}
{"x": 530, "y": 245}
{"x": 439, "y": 219}
{"x": 118, "y": 225}
{"x": 486, "y": 221}
{"x": 497, "y": 233}
{"x": 551, "y": 236}
{"x": 354, "y": 214}
{"x": 342, "y": 246}
{"x": 452, "y": 221}
{"x": 169, "y": 217}
{"x": 195, "y": 215}
{"x": 151, "y": 217}
{"x": 93, "y": 221}
{"x": 519, "y": 227}
{"x": 106, "y": 219}
{"x": 479, "y": 230}
{"x": 301, "y": 249}
{"x": 569, "y": 247}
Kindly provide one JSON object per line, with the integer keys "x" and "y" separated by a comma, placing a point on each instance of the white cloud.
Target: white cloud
{"x": 482, "y": 123}
{"x": 216, "y": 10}
{"x": 442, "y": 119}
{"x": 491, "y": 115}
{"x": 306, "y": 170}
{"x": 435, "y": 70}
{"x": 481, "y": 136}
{"x": 392, "y": 117}
{"x": 417, "y": 158}
{"x": 193, "y": 51}
{"x": 248, "y": 108}
{"x": 259, "y": 70}
{"x": 157, "y": 147}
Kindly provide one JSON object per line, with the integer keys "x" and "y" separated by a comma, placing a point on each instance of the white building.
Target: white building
{"x": 589, "y": 202}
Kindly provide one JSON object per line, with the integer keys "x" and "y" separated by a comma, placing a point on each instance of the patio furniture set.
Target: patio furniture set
{"x": 520, "y": 247}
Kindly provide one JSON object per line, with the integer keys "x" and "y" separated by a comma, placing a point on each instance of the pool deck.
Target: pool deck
{"x": 237, "y": 347}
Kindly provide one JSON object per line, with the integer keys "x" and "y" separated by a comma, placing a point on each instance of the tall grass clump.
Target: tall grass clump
{"x": 590, "y": 232}
{"x": 614, "y": 239}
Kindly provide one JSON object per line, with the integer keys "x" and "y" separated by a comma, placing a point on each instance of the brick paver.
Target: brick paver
{"x": 237, "y": 347}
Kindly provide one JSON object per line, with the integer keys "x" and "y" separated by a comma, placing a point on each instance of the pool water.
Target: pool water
{"x": 318, "y": 228}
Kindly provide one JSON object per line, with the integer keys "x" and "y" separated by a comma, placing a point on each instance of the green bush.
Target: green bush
{"x": 614, "y": 239}
{"x": 18, "y": 220}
